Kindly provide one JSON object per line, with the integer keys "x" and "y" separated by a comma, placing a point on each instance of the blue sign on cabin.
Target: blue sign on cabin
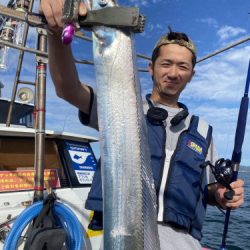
{"x": 82, "y": 160}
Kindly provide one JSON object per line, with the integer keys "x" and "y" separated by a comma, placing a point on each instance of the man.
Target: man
{"x": 179, "y": 142}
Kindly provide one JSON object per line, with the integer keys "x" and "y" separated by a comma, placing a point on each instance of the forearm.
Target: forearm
{"x": 61, "y": 64}
{"x": 64, "y": 73}
{"x": 211, "y": 189}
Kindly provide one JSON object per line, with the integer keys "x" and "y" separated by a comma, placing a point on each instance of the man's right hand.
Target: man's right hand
{"x": 53, "y": 12}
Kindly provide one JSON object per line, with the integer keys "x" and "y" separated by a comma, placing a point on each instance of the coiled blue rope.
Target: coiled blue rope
{"x": 67, "y": 219}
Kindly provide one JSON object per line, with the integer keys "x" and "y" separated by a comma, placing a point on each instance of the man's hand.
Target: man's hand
{"x": 53, "y": 12}
{"x": 238, "y": 197}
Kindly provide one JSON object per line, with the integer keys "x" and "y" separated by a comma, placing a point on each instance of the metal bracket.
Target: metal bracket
{"x": 40, "y": 58}
{"x": 70, "y": 10}
{"x": 41, "y": 31}
{"x": 115, "y": 17}
{"x": 120, "y": 17}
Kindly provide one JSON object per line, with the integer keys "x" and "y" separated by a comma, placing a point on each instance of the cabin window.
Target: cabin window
{"x": 17, "y": 164}
{"x": 26, "y": 120}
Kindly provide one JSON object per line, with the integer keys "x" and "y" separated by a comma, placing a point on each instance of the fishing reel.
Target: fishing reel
{"x": 223, "y": 173}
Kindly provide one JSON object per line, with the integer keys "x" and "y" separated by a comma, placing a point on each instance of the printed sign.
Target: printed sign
{"x": 78, "y": 156}
{"x": 82, "y": 160}
{"x": 24, "y": 179}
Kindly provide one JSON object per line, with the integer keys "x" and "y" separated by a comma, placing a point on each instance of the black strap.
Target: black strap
{"x": 45, "y": 233}
{"x": 84, "y": 117}
{"x": 46, "y": 211}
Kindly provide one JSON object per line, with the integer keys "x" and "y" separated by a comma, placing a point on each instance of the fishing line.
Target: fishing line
{"x": 64, "y": 123}
{"x": 232, "y": 119}
{"x": 247, "y": 26}
{"x": 65, "y": 120}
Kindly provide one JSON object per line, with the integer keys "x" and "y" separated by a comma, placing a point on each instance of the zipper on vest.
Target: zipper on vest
{"x": 162, "y": 164}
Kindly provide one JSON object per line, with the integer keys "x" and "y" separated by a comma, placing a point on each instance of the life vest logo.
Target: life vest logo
{"x": 194, "y": 147}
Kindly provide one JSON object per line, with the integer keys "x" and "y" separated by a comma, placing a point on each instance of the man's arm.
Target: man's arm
{"x": 61, "y": 62}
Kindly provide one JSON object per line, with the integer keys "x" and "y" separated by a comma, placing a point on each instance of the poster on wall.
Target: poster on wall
{"x": 82, "y": 160}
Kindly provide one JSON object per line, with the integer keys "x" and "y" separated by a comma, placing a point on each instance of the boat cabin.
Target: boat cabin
{"x": 69, "y": 166}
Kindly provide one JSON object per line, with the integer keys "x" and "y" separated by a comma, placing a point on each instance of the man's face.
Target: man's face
{"x": 171, "y": 72}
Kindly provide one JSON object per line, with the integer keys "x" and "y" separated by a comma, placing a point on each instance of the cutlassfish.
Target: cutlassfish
{"x": 130, "y": 211}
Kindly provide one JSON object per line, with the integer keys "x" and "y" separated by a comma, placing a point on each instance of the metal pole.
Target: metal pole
{"x": 144, "y": 57}
{"x": 40, "y": 118}
{"x": 1, "y": 87}
{"x": 19, "y": 65}
{"x": 14, "y": 46}
{"x": 224, "y": 49}
{"x": 45, "y": 54}
{"x": 26, "y": 82}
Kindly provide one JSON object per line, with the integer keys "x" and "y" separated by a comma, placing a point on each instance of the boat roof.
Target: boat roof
{"x": 21, "y": 131}
{"x": 23, "y": 109}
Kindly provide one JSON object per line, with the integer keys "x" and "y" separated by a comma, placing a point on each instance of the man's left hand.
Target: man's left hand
{"x": 238, "y": 197}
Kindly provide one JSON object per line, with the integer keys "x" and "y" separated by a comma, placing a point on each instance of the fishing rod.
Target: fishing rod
{"x": 237, "y": 151}
{"x": 225, "y": 171}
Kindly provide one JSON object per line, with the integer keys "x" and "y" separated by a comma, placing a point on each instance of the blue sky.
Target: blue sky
{"x": 217, "y": 87}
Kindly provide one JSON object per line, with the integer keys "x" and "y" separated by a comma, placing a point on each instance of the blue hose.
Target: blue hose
{"x": 67, "y": 219}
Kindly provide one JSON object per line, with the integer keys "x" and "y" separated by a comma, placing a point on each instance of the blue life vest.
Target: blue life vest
{"x": 185, "y": 192}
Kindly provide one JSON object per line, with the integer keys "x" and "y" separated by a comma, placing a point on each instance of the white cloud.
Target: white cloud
{"x": 145, "y": 3}
{"x": 221, "y": 78}
{"x": 153, "y": 30}
{"x": 226, "y": 32}
{"x": 209, "y": 21}
{"x": 215, "y": 94}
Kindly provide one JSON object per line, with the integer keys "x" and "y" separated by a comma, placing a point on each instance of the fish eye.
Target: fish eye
{"x": 103, "y": 3}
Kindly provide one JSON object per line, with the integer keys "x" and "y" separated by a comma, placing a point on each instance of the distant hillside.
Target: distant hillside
{"x": 243, "y": 166}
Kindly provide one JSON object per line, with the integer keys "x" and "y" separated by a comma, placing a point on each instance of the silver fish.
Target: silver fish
{"x": 130, "y": 212}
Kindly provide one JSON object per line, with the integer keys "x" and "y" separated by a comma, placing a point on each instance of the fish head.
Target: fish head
{"x": 103, "y": 36}
{"x": 105, "y": 39}
{"x": 99, "y": 4}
